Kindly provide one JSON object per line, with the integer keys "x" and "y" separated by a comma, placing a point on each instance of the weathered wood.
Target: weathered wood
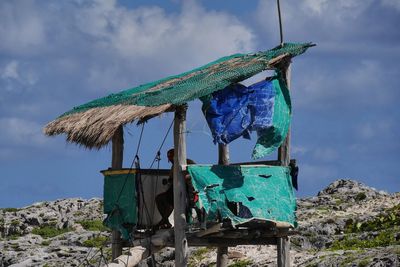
{"x": 283, "y": 250}
{"x": 264, "y": 162}
{"x": 222, "y": 252}
{"x": 229, "y": 242}
{"x": 181, "y": 245}
{"x": 284, "y": 149}
{"x": 223, "y": 154}
{"x": 116, "y": 163}
{"x": 210, "y": 230}
{"x": 283, "y": 246}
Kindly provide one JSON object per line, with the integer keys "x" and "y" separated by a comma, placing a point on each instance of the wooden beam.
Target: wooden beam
{"x": 116, "y": 163}
{"x": 283, "y": 246}
{"x": 181, "y": 245}
{"x": 231, "y": 242}
{"x": 222, "y": 252}
{"x": 223, "y": 154}
{"x": 283, "y": 250}
{"x": 284, "y": 149}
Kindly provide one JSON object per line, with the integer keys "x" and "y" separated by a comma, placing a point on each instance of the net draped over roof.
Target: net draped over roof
{"x": 93, "y": 124}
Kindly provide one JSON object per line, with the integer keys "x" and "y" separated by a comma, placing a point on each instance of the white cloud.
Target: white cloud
{"x": 111, "y": 47}
{"x": 299, "y": 150}
{"x": 17, "y": 77}
{"x": 148, "y": 40}
{"x": 337, "y": 25}
{"x": 374, "y": 129}
{"x": 357, "y": 84}
{"x": 326, "y": 154}
{"x": 10, "y": 71}
{"x": 392, "y": 3}
{"x": 20, "y": 132}
{"x": 21, "y": 26}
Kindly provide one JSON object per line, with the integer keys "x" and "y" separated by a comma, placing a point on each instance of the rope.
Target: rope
{"x": 139, "y": 142}
{"x": 130, "y": 168}
{"x": 162, "y": 144}
{"x": 280, "y": 22}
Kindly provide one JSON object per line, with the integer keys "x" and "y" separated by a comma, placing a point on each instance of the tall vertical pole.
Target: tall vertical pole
{"x": 283, "y": 244}
{"x": 223, "y": 159}
{"x": 116, "y": 163}
{"x": 181, "y": 245}
{"x": 284, "y": 149}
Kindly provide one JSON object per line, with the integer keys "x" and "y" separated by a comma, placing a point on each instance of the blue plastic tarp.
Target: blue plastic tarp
{"x": 237, "y": 110}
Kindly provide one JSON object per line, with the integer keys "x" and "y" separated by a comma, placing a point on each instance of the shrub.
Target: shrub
{"x": 241, "y": 263}
{"x": 94, "y": 225}
{"x": 45, "y": 243}
{"x": 49, "y": 231}
{"x": 96, "y": 242}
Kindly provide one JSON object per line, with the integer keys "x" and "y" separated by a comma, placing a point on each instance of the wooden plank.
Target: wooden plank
{"x": 283, "y": 250}
{"x": 116, "y": 163}
{"x": 223, "y": 154}
{"x": 284, "y": 149}
{"x": 181, "y": 245}
{"x": 222, "y": 252}
{"x": 230, "y": 242}
{"x": 264, "y": 162}
{"x": 210, "y": 230}
{"x": 283, "y": 245}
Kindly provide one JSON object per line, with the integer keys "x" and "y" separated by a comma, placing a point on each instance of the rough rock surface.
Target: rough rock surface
{"x": 346, "y": 224}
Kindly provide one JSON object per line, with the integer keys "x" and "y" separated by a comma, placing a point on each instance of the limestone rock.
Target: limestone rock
{"x": 344, "y": 215}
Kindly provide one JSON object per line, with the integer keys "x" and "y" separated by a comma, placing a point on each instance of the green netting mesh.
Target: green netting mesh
{"x": 196, "y": 83}
{"x": 272, "y": 138}
{"x": 120, "y": 201}
{"x": 256, "y": 192}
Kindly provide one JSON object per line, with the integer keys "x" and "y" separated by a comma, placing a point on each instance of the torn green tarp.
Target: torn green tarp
{"x": 257, "y": 192}
{"x": 271, "y": 138}
{"x": 120, "y": 201}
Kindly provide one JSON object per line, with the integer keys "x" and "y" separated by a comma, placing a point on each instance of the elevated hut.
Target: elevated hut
{"x": 240, "y": 203}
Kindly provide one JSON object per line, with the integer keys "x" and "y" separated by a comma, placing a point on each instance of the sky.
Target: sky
{"x": 55, "y": 55}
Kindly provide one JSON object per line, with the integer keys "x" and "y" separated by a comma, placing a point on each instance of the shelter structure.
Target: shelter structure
{"x": 254, "y": 219}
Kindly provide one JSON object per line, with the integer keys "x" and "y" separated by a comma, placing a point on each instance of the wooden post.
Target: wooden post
{"x": 116, "y": 163}
{"x": 283, "y": 243}
{"x": 284, "y": 149}
{"x": 223, "y": 159}
{"x": 283, "y": 250}
{"x": 181, "y": 245}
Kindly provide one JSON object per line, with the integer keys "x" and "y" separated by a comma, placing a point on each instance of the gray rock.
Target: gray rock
{"x": 323, "y": 220}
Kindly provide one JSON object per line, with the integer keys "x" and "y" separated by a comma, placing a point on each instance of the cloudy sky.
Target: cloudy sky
{"x": 58, "y": 54}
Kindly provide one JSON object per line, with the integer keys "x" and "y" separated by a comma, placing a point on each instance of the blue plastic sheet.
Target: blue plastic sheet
{"x": 236, "y": 110}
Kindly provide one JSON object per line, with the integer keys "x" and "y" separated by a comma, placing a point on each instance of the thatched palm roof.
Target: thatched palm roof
{"x": 93, "y": 124}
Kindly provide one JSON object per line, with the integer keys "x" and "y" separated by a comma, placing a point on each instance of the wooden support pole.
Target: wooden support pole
{"x": 181, "y": 245}
{"x": 283, "y": 246}
{"x": 223, "y": 159}
{"x": 116, "y": 163}
{"x": 284, "y": 149}
{"x": 283, "y": 250}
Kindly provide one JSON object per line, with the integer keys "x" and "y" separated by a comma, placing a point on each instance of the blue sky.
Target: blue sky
{"x": 58, "y": 54}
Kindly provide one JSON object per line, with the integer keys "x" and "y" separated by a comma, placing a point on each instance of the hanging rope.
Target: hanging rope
{"x": 135, "y": 159}
{"x": 162, "y": 144}
{"x": 144, "y": 209}
{"x": 280, "y": 21}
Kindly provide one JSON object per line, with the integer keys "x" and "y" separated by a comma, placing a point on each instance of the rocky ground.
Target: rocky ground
{"x": 346, "y": 224}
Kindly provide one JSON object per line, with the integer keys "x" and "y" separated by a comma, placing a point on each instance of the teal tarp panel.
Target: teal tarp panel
{"x": 257, "y": 191}
{"x": 120, "y": 201}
